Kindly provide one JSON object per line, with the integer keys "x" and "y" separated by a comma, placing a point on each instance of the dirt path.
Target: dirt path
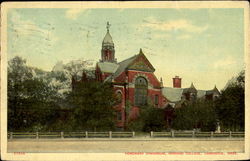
{"x": 153, "y": 145}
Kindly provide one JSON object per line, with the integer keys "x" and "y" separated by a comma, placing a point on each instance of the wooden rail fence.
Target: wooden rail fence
{"x": 110, "y": 134}
{"x": 62, "y": 135}
{"x": 197, "y": 134}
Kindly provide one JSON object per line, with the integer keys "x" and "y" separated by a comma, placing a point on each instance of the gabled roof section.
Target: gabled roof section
{"x": 141, "y": 63}
{"x": 216, "y": 89}
{"x": 191, "y": 89}
{"x": 172, "y": 94}
{"x": 201, "y": 93}
{"x": 123, "y": 65}
{"x": 213, "y": 91}
{"x": 108, "y": 67}
{"x": 132, "y": 63}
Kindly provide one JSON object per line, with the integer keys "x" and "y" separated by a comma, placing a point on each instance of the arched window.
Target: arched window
{"x": 119, "y": 96}
{"x": 141, "y": 91}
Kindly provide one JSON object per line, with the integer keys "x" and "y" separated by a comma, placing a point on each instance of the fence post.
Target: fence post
{"x": 172, "y": 134}
{"x": 37, "y": 135}
{"x": 193, "y": 134}
{"x": 133, "y": 134}
{"x": 110, "y": 134}
{"x": 151, "y": 134}
{"x": 62, "y": 135}
{"x": 230, "y": 134}
{"x": 212, "y": 134}
{"x": 11, "y": 135}
{"x": 86, "y": 134}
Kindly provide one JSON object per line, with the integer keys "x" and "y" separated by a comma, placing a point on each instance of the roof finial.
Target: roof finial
{"x": 140, "y": 51}
{"x": 108, "y": 26}
{"x": 161, "y": 82}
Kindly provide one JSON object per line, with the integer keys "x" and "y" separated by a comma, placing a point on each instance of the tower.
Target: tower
{"x": 108, "y": 48}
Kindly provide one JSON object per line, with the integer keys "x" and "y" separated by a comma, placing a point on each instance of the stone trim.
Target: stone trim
{"x": 118, "y": 91}
{"x": 133, "y": 70}
{"x": 132, "y": 85}
{"x": 144, "y": 76}
{"x": 120, "y": 86}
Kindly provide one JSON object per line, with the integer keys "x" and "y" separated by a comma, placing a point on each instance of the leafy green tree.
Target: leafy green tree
{"x": 93, "y": 104}
{"x": 150, "y": 119}
{"x": 31, "y": 100}
{"x": 199, "y": 114}
{"x": 230, "y": 107}
{"x": 154, "y": 119}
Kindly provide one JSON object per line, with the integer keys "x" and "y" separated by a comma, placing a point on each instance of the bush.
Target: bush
{"x": 197, "y": 115}
{"x": 150, "y": 119}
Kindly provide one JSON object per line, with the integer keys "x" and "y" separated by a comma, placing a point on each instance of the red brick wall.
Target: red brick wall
{"x": 152, "y": 93}
{"x": 121, "y": 77}
{"x": 121, "y": 106}
{"x": 152, "y": 80}
{"x": 105, "y": 75}
{"x": 134, "y": 112}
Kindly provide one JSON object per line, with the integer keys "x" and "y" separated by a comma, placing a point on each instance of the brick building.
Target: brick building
{"x": 134, "y": 82}
{"x": 177, "y": 96}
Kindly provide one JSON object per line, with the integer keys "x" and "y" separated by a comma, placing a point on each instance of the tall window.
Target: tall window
{"x": 156, "y": 99}
{"x": 141, "y": 91}
{"x": 119, "y": 115}
{"x": 119, "y": 96}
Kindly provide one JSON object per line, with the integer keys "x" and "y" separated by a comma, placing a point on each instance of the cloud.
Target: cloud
{"x": 180, "y": 24}
{"x": 161, "y": 36}
{"x": 23, "y": 27}
{"x": 225, "y": 63}
{"x": 73, "y": 13}
{"x": 185, "y": 36}
{"x": 35, "y": 37}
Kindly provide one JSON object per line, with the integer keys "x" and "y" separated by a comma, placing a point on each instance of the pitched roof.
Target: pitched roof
{"x": 175, "y": 94}
{"x": 147, "y": 64}
{"x": 123, "y": 65}
{"x": 172, "y": 94}
{"x": 107, "y": 39}
{"x": 108, "y": 67}
{"x": 201, "y": 93}
{"x": 213, "y": 91}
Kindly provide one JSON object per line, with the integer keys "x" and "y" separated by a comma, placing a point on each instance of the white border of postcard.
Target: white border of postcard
{"x": 133, "y": 4}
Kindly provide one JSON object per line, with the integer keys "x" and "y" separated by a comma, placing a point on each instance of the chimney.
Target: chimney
{"x": 177, "y": 82}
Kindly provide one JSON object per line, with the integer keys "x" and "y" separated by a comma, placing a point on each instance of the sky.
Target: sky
{"x": 203, "y": 46}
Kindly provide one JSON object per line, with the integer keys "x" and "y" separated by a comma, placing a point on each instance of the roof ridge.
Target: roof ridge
{"x": 128, "y": 58}
{"x": 123, "y": 65}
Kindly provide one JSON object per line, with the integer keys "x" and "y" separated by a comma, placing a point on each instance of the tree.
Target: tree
{"x": 31, "y": 100}
{"x": 92, "y": 104}
{"x": 74, "y": 67}
{"x": 154, "y": 119}
{"x": 150, "y": 119}
{"x": 196, "y": 115}
{"x": 230, "y": 107}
